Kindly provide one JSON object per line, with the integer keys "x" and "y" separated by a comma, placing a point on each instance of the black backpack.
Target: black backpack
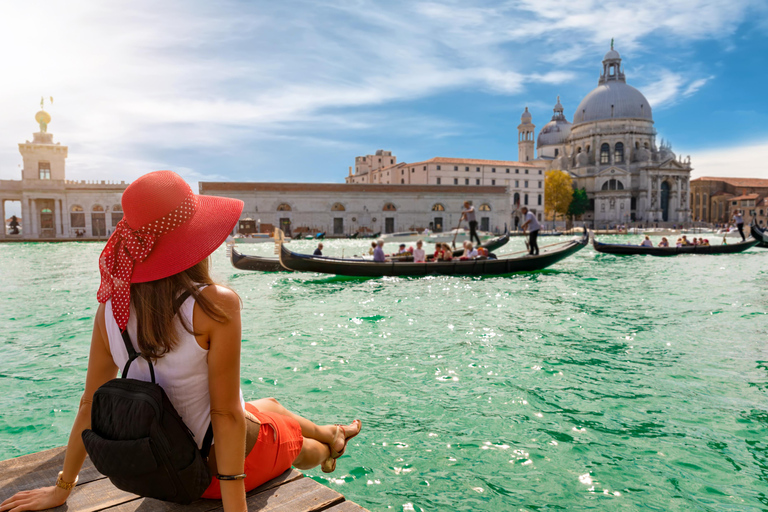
{"x": 139, "y": 441}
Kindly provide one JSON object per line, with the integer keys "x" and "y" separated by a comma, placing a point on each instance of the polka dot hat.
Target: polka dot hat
{"x": 166, "y": 228}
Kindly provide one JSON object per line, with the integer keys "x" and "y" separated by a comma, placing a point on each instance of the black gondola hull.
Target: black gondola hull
{"x": 486, "y": 267}
{"x": 272, "y": 263}
{"x": 672, "y": 251}
{"x": 761, "y": 236}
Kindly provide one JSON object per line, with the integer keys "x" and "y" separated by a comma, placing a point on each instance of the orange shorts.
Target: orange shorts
{"x": 278, "y": 445}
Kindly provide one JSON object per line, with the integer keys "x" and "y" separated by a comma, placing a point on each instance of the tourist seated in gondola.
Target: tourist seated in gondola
{"x": 373, "y": 248}
{"x": 685, "y": 241}
{"x": 402, "y": 249}
{"x": 664, "y": 242}
{"x": 704, "y": 242}
{"x": 679, "y": 242}
{"x": 469, "y": 252}
{"x": 647, "y": 242}
{"x": 419, "y": 254}
{"x": 378, "y": 252}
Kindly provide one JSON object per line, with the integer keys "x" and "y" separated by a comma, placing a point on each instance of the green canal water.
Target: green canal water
{"x": 605, "y": 383}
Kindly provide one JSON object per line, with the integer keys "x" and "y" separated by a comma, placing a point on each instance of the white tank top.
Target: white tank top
{"x": 182, "y": 372}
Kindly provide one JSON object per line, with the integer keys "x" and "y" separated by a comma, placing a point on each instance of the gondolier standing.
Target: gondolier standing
{"x": 533, "y": 226}
{"x": 739, "y": 220}
{"x": 469, "y": 214}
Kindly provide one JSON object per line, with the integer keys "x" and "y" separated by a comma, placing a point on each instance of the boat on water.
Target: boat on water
{"x": 625, "y": 249}
{"x": 761, "y": 235}
{"x": 508, "y": 264}
{"x": 405, "y": 236}
{"x": 663, "y": 232}
{"x": 460, "y": 235}
{"x": 257, "y": 238}
{"x": 272, "y": 263}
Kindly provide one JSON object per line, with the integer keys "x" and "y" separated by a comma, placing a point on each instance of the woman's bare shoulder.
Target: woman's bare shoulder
{"x": 224, "y": 297}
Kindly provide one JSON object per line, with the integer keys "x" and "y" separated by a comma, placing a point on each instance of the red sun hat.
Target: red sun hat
{"x": 166, "y": 228}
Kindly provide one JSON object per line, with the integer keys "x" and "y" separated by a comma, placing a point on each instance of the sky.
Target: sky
{"x": 294, "y": 90}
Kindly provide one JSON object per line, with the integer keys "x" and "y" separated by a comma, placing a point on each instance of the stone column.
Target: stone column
{"x": 32, "y": 219}
{"x": 2, "y": 214}
{"x": 65, "y": 219}
{"x": 59, "y": 223}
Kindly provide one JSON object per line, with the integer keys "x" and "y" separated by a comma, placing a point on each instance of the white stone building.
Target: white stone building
{"x": 53, "y": 207}
{"x": 524, "y": 181}
{"x": 610, "y": 150}
{"x": 340, "y": 209}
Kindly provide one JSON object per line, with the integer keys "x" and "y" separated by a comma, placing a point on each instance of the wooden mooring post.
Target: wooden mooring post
{"x": 290, "y": 492}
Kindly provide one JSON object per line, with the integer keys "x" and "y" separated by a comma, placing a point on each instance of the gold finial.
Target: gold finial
{"x": 43, "y": 117}
{"x": 42, "y": 103}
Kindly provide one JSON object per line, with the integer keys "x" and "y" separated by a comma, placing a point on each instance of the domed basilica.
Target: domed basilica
{"x": 610, "y": 150}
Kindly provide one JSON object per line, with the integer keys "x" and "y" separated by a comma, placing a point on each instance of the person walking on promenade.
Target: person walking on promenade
{"x": 469, "y": 214}
{"x": 533, "y": 226}
{"x": 319, "y": 250}
{"x": 739, "y": 220}
{"x": 157, "y": 295}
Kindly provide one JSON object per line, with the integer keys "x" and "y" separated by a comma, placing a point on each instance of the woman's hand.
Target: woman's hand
{"x": 36, "y": 499}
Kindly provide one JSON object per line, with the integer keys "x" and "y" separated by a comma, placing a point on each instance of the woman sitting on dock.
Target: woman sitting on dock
{"x": 155, "y": 285}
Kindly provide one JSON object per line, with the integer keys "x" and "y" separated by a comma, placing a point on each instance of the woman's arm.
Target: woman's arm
{"x": 227, "y": 414}
{"x": 101, "y": 368}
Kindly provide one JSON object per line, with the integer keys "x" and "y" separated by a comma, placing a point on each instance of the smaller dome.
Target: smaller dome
{"x": 612, "y": 55}
{"x": 526, "y": 117}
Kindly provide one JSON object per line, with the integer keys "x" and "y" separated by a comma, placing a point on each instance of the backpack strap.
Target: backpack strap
{"x": 133, "y": 355}
{"x": 207, "y": 442}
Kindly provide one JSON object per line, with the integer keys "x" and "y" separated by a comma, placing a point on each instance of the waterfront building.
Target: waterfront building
{"x": 715, "y": 199}
{"x": 524, "y": 181}
{"x": 53, "y": 207}
{"x": 610, "y": 150}
{"x": 339, "y": 209}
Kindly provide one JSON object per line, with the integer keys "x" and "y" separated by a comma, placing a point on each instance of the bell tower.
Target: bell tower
{"x": 525, "y": 138}
{"x": 43, "y": 160}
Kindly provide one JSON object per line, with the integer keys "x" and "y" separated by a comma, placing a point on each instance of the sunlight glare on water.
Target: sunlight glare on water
{"x": 603, "y": 383}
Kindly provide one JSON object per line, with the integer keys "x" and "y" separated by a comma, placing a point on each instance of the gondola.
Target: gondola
{"x": 673, "y": 251}
{"x": 272, "y": 263}
{"x": 476, "y": 267}
{"x": 761, "y": 236}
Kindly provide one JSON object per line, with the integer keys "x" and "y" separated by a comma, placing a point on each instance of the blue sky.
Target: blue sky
{"x": 294, "y": 90}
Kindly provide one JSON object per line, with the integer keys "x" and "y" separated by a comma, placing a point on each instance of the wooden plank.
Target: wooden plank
{"x": 303, "y": 495}
{"x": 146, "y": 504}
{"x": 95, "y": 496}
{"x": 38, "y": 470}
{"x": 347, "y": 506}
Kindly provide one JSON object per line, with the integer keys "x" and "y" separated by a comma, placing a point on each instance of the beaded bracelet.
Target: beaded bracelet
{"x": 241, "y": 476}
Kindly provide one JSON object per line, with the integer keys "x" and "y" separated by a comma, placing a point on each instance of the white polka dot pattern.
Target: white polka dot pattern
{"x": 127, "y": 247}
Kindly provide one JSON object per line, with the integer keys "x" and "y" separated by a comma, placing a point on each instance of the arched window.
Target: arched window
{"x": 98, "y": 221}
{"x": 613, "y": 184}
{"x": 578, "y": 150}
{"x": 605, "y": 153}
{"x": 618, "y": 153}
{"x": 77, "y": 217}
{"x": 437, "y": 207}
{"x": 389, "y": 207}
{"x": 283, "y": 207}
{"x": 637, "y": 144}
{"x": 485, "y": 207}
{"x": 517, "y": 199}
{"x": 338, "y": 207}
{"x": 117, "y": 214}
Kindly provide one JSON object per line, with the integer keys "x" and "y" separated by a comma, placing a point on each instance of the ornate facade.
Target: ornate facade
{"x": 53, "y": 207}
{"x": 610, "y": 150}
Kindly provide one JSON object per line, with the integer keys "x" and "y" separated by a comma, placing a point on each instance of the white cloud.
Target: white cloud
{"x": 134, "y": 79}
{"x": 747, "y": 161}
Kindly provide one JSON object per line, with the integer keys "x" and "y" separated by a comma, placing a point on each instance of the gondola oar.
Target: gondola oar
{"x": 455, "y": 233}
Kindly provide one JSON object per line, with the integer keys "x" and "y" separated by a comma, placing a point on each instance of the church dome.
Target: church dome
{"x": 556, "y": 131}
{"x": 613, "y": 98}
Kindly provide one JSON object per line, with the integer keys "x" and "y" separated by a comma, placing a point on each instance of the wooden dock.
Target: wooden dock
{"x": 290, "y": 492}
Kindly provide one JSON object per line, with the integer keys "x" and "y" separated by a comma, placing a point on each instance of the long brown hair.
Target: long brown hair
{"x": 156, "y": 304}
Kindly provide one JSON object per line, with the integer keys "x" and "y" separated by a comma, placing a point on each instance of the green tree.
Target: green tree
{"x": 579, "y": 203}
{"x": 558, "y": 193}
